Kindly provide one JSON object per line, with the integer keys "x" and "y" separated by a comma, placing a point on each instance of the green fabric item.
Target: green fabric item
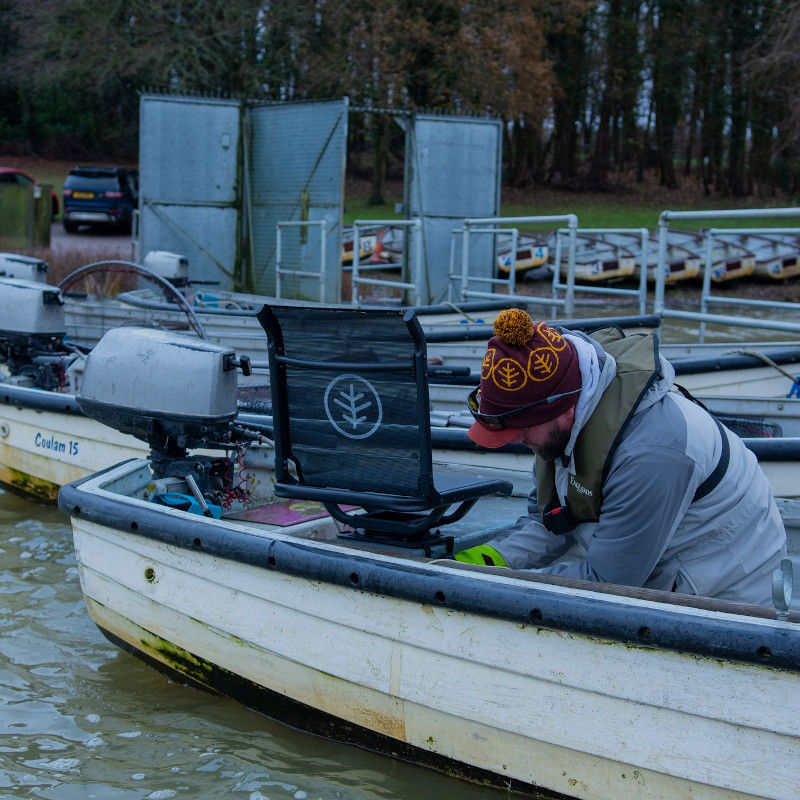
{"x": 637, "y": 369}
{"x": 481, "y": 554}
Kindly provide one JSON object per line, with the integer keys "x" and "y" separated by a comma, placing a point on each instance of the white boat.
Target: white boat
{"x": 684, "y": 260}
{"x": 529, "y": 682}
{"x": 595, "y": 258}
{"x": 775, "y": 256}
{"x": 731, "y": 259}
{"x": 226, "y": 318}
{"x": 532, "y": 252}
{"x": 368, "y": 241}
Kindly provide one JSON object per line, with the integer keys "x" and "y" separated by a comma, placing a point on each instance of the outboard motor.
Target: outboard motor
{"x": 177, "y": 393}
{"x": 25, "y": 268}
{"x": 32, "y": 331}
{"x": 170, "y": 266}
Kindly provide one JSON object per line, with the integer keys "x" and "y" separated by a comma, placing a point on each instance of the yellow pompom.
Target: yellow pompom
{"x": 513, "y": 326}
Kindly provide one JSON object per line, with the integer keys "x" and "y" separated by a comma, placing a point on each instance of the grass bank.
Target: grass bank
{"x": 632, "y": 205}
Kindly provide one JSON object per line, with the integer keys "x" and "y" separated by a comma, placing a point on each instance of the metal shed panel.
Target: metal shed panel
{"x": 190, "y": 190}
{"x": 453, "y": 172}
{"x": 295, "y": 165}
{"x": 205, "y": 235}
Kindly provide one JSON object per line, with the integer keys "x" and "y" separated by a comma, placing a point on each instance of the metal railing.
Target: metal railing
{"x": 703, "y": 316}
{"x": 640, "y": 293}
{"x": 136, "y": 242}
{"x": 414, "y": 262}
{"x": 280, "y": 270}
{"x": 492, "y": 226}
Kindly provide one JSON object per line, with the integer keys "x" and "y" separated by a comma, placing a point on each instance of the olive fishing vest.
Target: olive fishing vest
{"x": 638, "y": 368}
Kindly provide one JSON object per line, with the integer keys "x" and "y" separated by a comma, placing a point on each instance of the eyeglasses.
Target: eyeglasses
{"x": 497, "y": 422}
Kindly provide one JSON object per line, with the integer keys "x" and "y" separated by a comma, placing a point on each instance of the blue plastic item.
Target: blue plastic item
{"x": 185, "y": 502}
{"x": 206, "y": 299}
{"x": 795, "y": 390}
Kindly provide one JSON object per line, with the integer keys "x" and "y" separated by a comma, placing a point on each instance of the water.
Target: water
{"x": 81, "y": 719}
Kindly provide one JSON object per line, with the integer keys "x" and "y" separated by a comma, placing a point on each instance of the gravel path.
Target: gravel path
{"x": 103, "y": 243}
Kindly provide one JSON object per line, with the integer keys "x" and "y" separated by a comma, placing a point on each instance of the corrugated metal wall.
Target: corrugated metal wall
{"x": 218, "y": 175}
{"x": 190, "y": 187}
{"x": 296, "y": 165}
{"x": 452, "y": 173}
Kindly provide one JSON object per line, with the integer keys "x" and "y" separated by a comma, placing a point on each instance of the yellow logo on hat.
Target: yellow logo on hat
{"x": 542, "y": 363}
{"x": 509, "y": 374}
{"x": 552, "y": 337}
{"x": 488, "y": 363}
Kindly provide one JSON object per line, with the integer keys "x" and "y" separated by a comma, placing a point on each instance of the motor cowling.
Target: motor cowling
{"x": 32, "y": 331}
{"x": 170, "y": 266}
{"x": 26, "y": 268}
{"x": 174, "y": 392}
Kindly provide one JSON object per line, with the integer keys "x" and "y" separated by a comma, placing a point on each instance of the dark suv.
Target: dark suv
{"x": 100, "y": 196}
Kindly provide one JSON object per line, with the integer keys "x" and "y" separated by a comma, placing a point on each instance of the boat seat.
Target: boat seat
{"x": 351, "y": 418}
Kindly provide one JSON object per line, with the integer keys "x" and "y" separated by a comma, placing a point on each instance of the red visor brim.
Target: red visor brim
{"x": 493, "y": 439}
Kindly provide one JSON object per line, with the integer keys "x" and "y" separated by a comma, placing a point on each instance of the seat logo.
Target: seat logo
{"x": 353, "y": 406}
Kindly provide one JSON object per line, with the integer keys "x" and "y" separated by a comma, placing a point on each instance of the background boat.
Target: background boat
{"x": 532, "y": 252}
{"x": 596, "y": 259}
{"x": 775, "y": 256}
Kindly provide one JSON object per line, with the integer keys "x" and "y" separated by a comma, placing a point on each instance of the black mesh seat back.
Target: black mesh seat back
{"x": 347, "y": 402}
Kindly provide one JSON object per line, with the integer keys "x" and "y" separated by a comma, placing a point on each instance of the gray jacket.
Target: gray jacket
{"x": 650, "y": 533}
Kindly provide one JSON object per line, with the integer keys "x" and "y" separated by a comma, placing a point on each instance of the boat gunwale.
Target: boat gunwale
{"x": 645, "y": 618}
{"x": 692, "y": 366}
{"x": 130, "y": 298}
{"x": 38, "y": 399}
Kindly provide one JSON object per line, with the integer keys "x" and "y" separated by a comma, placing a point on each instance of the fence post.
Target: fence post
{"x": 323, "y": 247}
{"x": 356, "y": 262}
{"x": 661, "y": 261}
{"x": 569, "y": 300}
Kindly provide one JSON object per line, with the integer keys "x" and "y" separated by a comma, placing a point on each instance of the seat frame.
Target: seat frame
{"x": 402, "y": 520}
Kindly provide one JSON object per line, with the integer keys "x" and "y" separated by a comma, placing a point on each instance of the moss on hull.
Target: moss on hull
{"x": 28, "y": 486}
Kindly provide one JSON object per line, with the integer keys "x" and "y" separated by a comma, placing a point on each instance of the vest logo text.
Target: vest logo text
{"x": 580, "y": 488}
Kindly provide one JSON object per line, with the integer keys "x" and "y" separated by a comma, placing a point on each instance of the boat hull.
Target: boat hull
{"x": 474, "y": 691}
{"x": 763, "y": 382}
{"x": 41, "y": 450}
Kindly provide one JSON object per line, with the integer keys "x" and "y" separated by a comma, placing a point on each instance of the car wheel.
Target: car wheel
{"x": 70, "y": 227}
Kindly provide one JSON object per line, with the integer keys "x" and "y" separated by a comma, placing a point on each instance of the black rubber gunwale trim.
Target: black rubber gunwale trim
{"x": 38, "y": 399}
{"x": 533, "y": 602}
{"x": 691, "y": 366}
{"x": 478, "y": 332}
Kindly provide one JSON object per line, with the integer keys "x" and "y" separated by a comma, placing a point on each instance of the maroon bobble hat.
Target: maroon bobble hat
{"x": 525, "y": 362}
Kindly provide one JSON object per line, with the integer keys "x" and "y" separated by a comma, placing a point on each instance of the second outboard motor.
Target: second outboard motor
{"x": 25, "y": 268}
{"x": 32, "y": 331}
{"x": 170, "y": 266}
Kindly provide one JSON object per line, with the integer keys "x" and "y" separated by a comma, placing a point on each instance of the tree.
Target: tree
{"x": 621, "y": 79}
{"x": 669, "y": 54}
{"x": 773, "y": 64}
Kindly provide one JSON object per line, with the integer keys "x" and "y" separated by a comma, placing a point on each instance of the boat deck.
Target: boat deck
{"x": 310, "y": 521}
